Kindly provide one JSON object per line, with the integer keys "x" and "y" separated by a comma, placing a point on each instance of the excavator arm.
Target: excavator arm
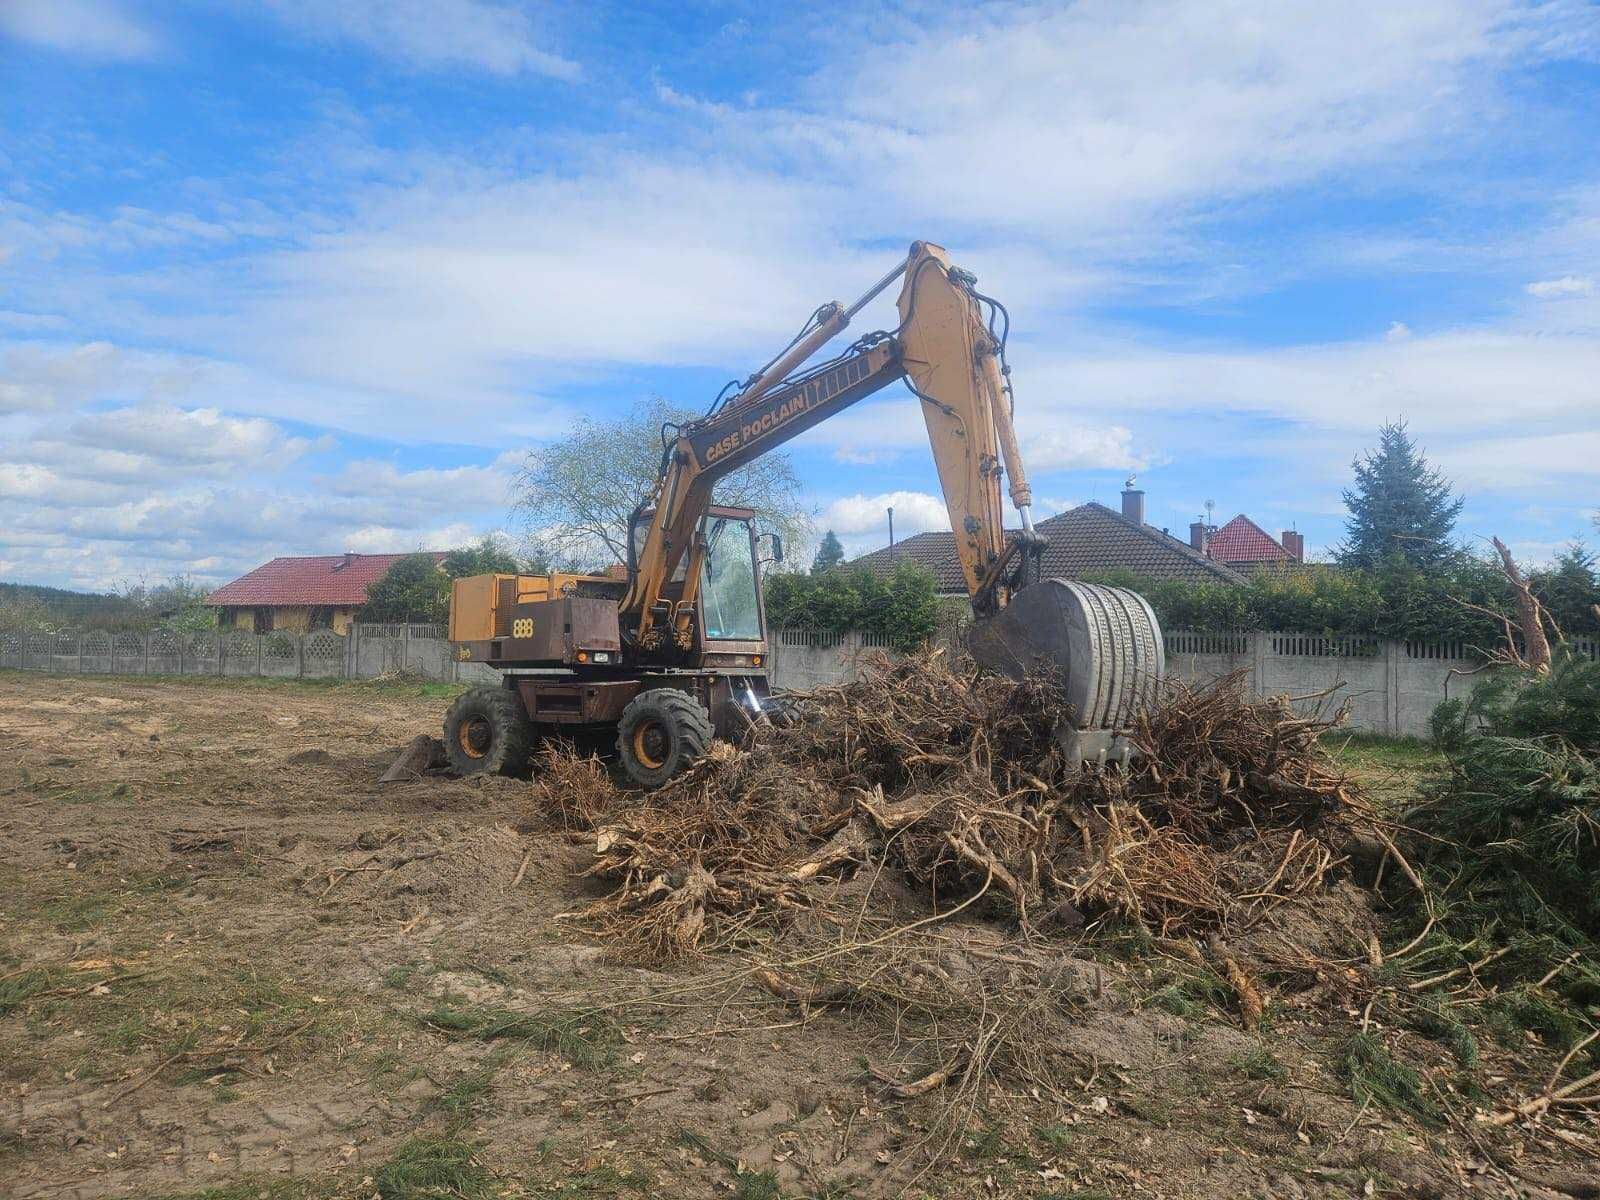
{"x": 952, "y": 361}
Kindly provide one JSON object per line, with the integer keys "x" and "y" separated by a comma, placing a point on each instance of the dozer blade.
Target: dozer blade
{"x": 1102, "y": 643}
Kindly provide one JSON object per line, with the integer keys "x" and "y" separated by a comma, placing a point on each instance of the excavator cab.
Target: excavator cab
{"x": 726, "y": 615}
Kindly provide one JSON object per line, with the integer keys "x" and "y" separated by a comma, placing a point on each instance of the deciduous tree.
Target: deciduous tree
{"x": 413, "y": 589}
{"x": 577, "y": 492}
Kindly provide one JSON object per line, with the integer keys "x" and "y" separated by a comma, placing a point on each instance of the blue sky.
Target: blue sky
{"x": 299, "y": 277}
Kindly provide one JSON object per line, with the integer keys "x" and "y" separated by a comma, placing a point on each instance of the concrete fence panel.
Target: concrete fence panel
{"x": 323, "y": 655}
{"x": 164, "y": 653}
{"x": 202, "y": 654}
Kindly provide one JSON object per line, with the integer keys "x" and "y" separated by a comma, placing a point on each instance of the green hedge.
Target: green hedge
{"x": 1398, "y": 601}
{"x": 902, "y": 608}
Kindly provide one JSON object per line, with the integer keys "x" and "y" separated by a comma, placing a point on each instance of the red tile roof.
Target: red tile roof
{"x": 1241, "y": 540}
{"x": 329, "y": 579}
{"x": 1087, "y": 540}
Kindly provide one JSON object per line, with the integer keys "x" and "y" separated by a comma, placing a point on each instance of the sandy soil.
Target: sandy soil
{"x": 229, "y": 958}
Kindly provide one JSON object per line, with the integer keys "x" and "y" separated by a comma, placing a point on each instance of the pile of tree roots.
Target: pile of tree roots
{"x": 953, "y": 782}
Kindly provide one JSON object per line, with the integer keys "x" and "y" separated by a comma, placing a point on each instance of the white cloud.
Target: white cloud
{"x": 862, "y": 522}
{"x": 379, "y": 539}
{"x": 1398, "y": 331}
{"x": 38, "y": 378}
{"x": 1555, "y": 289}
{"x": 1050, "y": 445}
{"x": 467, "y": 283}
{"x": 201, "y": 438}
{"x": 1455, "y": 381}
{"x": 443, "y": 488}
{"x": 1544, "y": 462}
{"x": 434, "y": 34}
{"x": 913, "y": 513}
{"x": 93, "y": 28}
{"x": 1092, "y": 114}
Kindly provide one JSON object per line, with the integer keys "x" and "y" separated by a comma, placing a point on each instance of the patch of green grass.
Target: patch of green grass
{"x": 434, "y": 1168}
{"x": 1057, "y": 1136}
{"x": 18, "y": 989}
{"x": 1191, "y": 995}
{"x": 465, "y": 1095}
{"x": 603, "y": 1180}
{"x": 155, "y": 883}
{"x": 1259, "y": 1063}
{"x": 1433, "y": 1019}
{"x": 1394, "y": 753}
{"x": 400, "y": 976}
{"x": 585, "y": 1038}
{"x": 757, "y": 1185}
{"x": 1375, "y": 1077}
{"x": 76, "y": 914}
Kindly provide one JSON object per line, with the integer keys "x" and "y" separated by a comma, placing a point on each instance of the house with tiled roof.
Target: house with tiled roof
{"x": 1088, "y": 540}
{"x": 300, "y": 594}
{"x": 1244, "y": 545}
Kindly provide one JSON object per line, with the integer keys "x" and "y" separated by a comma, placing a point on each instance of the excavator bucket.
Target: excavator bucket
{"x": 1102, "y": 643}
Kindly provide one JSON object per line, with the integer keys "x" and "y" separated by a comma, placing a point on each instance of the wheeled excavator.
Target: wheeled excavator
{"x": 674, "y": 650}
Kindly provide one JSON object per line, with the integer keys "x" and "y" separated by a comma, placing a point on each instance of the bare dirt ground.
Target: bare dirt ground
{"x": 232, "y": 965}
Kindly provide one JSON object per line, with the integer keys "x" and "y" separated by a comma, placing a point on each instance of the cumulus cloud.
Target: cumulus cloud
{"x": 861, "y": 522}
{"x": 96, "y": 29}
{"x": 37, "y": 378}
{"x": 200, "y": 438}
{"x": 434, "y": 34}
{"x": 1058, "y": 446}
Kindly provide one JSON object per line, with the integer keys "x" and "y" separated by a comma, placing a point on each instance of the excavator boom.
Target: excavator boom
{"x": 946, "y": 353}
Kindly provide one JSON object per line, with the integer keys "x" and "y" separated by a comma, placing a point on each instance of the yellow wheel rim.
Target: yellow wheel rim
{"x": 651, "y": 744}
{"x": 474, "y": 737}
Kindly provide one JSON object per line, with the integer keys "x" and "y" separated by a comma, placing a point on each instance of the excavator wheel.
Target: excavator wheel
{"x": 662, "y": 731}
{"x": 486, "y": 732}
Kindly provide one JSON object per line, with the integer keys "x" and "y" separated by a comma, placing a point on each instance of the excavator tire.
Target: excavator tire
{"x": 662, "y": 731}
{"x": 487, "y": 732}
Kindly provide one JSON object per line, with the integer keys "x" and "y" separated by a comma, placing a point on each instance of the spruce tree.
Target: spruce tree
{"x": 1399, "y": 506}
{"x": 829, "y": 555}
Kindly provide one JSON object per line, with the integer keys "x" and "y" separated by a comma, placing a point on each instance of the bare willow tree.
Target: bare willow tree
{"x": 576, "y": 493}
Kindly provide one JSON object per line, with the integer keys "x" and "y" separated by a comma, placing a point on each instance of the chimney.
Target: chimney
{"x": 1133, "y": 502}
{"x": 1198, "y": 539}
{"x": 1295, "y": 544}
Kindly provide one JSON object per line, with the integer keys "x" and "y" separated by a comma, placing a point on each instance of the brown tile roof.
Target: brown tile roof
{"x": 1087, "y": 540}
{"x": 328, "y": 579}
{"x": 1241, "y": 540}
